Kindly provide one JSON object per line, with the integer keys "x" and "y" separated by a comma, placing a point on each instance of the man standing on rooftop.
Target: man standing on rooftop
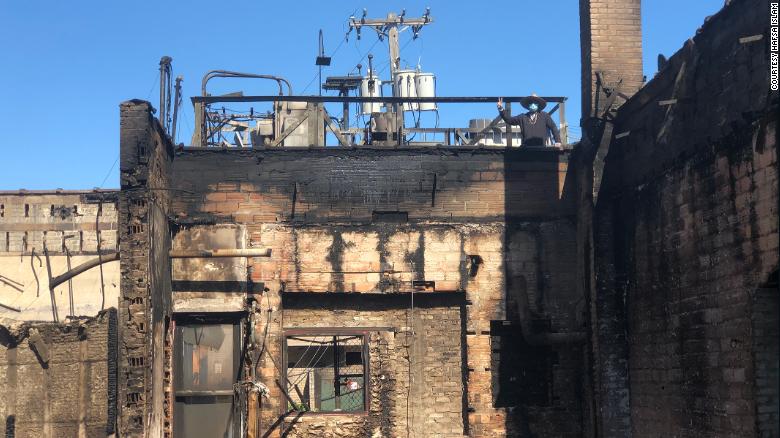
{"x": 536, "y": 126}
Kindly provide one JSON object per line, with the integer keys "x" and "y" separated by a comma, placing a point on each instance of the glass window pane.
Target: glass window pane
{"x": 203, "y": 416}
{"x": 207, "y": 357}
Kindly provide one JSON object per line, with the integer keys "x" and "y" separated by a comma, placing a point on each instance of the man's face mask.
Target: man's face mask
{"x": 533, "y": 107}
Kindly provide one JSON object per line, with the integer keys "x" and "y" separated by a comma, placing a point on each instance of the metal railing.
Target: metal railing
{"x": 210, "y": 123}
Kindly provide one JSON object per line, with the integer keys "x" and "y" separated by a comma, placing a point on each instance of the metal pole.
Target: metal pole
{"x": 176, "y": 103}
{"x": 165, "y": 68}
{"x": 336, "y": 377}
{"x": 509, "y": 126}
{"x": 70, "y": 286}
{"x": 395, "y": 53}
{"x": 211, "y": 253}
{"x": 564, "y": 126}
{"x": 345, "y": 112}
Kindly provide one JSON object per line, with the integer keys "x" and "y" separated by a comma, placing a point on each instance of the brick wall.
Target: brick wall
{"x": 687, "y": 219}
{"x": 765, "y": 324}
{"x": 64, "y": 224}
{"x": 611, "y": 51}
{"x": 62, "y": 386}
{"x": 415, "y": 357}
{"x": 145, "y": 155}
{"x": 610, "y": 43}
{"x": 372, "y": 222}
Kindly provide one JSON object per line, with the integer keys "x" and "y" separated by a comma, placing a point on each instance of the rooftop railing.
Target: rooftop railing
{"x": 304, "y": 121}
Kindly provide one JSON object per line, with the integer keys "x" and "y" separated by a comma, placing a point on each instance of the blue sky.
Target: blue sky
{"x": 68, "y": 65}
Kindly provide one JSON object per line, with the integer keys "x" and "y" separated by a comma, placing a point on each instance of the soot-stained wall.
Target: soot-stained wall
{"x": 687, "y": 220}
{"x": 374, "y": 222}
{"x": 145, "y": 300}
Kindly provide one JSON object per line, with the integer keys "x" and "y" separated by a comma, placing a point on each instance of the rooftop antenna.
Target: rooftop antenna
{"x": 322, "y": 60}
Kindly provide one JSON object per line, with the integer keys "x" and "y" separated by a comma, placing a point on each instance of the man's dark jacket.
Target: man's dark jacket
{"x": 533, "y": 134}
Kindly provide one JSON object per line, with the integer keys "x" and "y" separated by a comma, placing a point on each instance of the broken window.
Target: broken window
{"x": 326, "y": 372}
{"x": 206, "y": 365}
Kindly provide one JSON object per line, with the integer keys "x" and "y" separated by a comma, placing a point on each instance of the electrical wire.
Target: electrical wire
{"x": 154, "y": 83}
{"x": 109, "y": 172}
{"x": 399, "y": 51}
{"x": 365, "y": 54}
{"x": 313, "y": 360}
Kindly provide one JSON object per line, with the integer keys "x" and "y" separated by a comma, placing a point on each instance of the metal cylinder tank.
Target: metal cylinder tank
{"x": 384, "y": 129}
{"x": 425, "y": 86}
{"x": 370, "y": 86}
{"x": 406, "y": 87}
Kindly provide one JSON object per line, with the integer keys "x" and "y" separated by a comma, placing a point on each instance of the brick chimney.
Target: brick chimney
{"x": 611, "y": 44}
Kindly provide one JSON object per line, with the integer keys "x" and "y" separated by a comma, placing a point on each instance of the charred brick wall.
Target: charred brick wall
{"x": 611, "y": 52}
{"x": 145, "y": 156}
{"x": 687, "y": 220}
{"x": 57, "y": 378}
{"x": 765, "y": 325}
{"x": 372, "y": 222}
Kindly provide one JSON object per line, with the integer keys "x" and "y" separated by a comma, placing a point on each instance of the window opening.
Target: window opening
{"x": 205, "y": 368}
{"x": 326, "y": 373}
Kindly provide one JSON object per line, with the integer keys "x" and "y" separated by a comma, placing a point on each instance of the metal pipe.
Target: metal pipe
{"x": 201, "y": 119}
{"x": 176, "y": 103}
{"x": 104, "y": 258}
{"x": 54, "y": 311}
{"x": 12, "y": 283}
{"x": 211, "y": 253}
{"x": 233, "y": 74}
{"x": 165, "y": 72}
{"x": 71, "y": 307}
{"x": 15, "y": 309}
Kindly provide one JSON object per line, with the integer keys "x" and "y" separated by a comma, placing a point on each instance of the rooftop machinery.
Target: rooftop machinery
{"x": 379, "y": 120}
